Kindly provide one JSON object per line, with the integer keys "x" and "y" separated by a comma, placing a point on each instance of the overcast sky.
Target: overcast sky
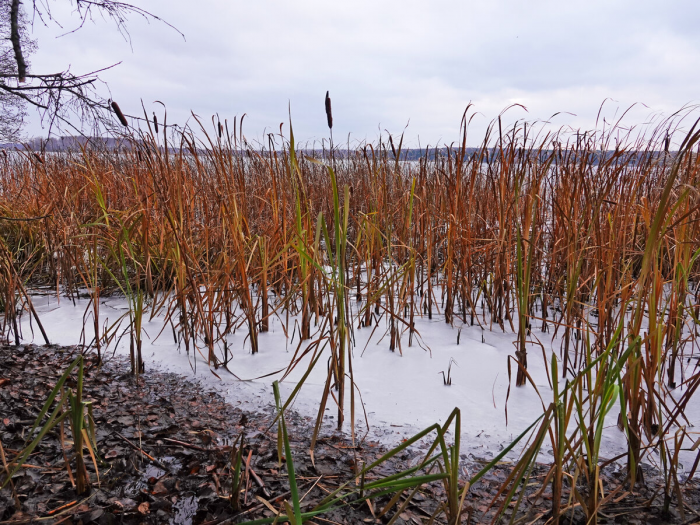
{"x": 390, "y": 63}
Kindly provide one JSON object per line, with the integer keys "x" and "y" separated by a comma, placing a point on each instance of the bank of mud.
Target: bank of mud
{"x": 164, "y": 445}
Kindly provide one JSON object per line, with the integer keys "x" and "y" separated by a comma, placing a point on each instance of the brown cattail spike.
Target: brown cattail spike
{"x": 120, "y": 115}
{"x": 329, "y": 113}
{"x": 155, "y": 122}
{"x": 221, "y": 130}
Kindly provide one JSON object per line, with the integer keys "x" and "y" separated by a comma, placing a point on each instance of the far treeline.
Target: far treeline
{"x": 70, "y": 143}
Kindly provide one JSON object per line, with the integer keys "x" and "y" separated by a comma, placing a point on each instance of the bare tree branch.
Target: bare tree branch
{"x": 117, "y": 12}
{"x": 62, "y": 99}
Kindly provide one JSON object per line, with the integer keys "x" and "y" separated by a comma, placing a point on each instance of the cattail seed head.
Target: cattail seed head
{"x": 155, "y": 122}
{"x": 221, "y": 130}
{"x": 120, "y": 115}
{"x": 329, "y": 113}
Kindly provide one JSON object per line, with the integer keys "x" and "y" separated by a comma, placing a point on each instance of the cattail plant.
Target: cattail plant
{"x": 592, "y": 237}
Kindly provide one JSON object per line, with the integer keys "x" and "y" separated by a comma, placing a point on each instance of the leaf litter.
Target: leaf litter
{"x": 165, "y": 445}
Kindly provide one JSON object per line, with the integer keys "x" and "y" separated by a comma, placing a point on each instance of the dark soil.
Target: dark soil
{"x": 166, "y": 446}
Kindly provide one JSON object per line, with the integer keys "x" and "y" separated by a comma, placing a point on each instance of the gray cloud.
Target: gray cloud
{"x": 388, "y": 62}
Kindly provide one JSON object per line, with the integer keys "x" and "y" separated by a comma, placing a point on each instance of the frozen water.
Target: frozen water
{"x": 402, "y": 392}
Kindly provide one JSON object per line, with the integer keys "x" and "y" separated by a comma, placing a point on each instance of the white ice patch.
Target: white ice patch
{"x": 402, "y": 394}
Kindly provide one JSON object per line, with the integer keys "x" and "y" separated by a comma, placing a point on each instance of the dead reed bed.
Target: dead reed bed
{"x": 593, "y": 238}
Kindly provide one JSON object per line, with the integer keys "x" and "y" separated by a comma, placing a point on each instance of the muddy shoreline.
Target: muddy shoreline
{"x": 164, "y": 445}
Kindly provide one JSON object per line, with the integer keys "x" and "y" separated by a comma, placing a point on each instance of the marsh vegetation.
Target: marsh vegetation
{"x": 588, "y": 240}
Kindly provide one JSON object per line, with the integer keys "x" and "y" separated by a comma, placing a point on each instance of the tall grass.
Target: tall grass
{"x": 594, "y": 238}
